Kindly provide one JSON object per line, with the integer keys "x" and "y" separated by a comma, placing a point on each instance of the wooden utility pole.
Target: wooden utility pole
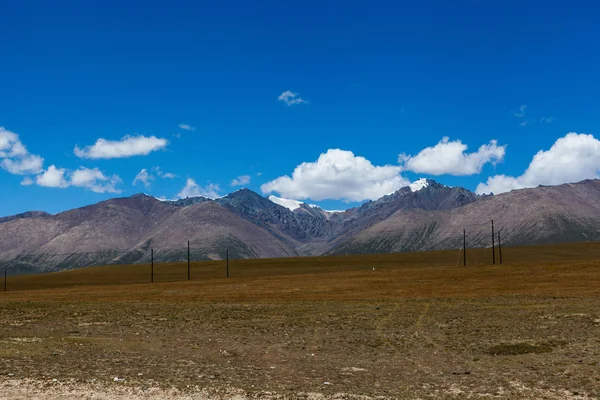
{"x": 152, "y": 265}
{"x": 189, "y": 272}
{"x": 464, "y": 247}
{"x": 499, "y": 247}
{"x": 227, "y": 262}
{"x": 493, "y": 245}
{"x": 5, "y": 278}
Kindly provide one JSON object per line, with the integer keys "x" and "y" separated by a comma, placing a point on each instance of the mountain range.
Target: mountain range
{"x": 426, "y": 215}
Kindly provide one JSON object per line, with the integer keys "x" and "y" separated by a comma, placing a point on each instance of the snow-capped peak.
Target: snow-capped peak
{"x": 418, "y": 184}
{"x": 287, "y": 203}
{"x": 295, "y": 204}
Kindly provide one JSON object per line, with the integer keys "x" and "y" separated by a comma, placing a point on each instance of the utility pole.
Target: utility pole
{"x": 227, "y": 262}
{"x": 152, "y": 265}
{"x": 189, "y": 273}
{"x": 5, "y": 278}
{"x": 464, "y": 247}
{"x": 493, "y": 245}
{"x": 499, "y": 247}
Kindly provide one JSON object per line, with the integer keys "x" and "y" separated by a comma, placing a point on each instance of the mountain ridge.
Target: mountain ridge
{"x": 250, "y": 225}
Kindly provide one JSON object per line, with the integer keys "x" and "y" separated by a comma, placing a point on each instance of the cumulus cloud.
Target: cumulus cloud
{"x": 128, "y": 146}
{"x": 187, "y": 127}
{"x": 27, "y": 181}
{"x": 338, "y": 174}
{"x": 14, "y": 156}
{"x": 290, "y": 98}
{"x": 87, "y": 178}
{"x": 144, "y": 177}
{"x": 241, "y": 180}
{"x": 94, "y": 180}
{"x": 29, "y": 164}
{"x": 17, "y": 160}
{"x": 192, "y": 189}
{"x": 450, "y": 157}
{"x": 572, "y": 158}
{"x": 52, "y": 177}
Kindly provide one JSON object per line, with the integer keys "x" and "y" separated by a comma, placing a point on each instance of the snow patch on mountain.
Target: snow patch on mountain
{"x": 287, "y": 203}
{"x": 418, "y": 184}
{"x": 295, "y": 204}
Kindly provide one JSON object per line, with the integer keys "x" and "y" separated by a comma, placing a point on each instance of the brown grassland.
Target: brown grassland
{"x": 407, "y": 325}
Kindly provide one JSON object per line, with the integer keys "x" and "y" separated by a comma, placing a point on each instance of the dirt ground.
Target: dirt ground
{"x": 517, "y": 331}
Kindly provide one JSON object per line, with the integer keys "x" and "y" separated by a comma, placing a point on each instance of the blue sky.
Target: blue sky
{"x": 98, "y": 90}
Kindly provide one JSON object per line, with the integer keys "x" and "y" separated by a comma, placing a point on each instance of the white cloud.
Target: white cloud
{"x": 290, "y": 98}
{"x": 241, "y": 180}
{"x": 17, "y": 160}
{"x": 27, "y": 181}
{"x": 88, "y": 178}
{"x": 192, "y": 189}
{"x": 128, "y": 146}
{"x": 144, "y": 177}
{"x": 572, "y": 158}
{"x": 521, "y": 115}
{"x": 524, "y": 120}
{"x": 147, "y": 178}
{"x": 499, "y": 184}
{"x": 95, "y": 180}
{"x": 521, "y": 112}
{"x": 10, "y": 144}
{"x": 450, "y": 157}
{"x": 338, "y": 174}
{"x": 29, "y": 164}
{"x": 162, "y": 174}
{"x": 52, "y": 177}
{"x": 14, "y": 155}
{"x": 187, "y": 127}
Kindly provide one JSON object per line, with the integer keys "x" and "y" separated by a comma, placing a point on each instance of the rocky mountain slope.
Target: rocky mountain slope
{"x": 426, "y": 217}
{"x": 551, "y": 214}
{"x": 125, "y": 229}
{"x": 28, "y": 214}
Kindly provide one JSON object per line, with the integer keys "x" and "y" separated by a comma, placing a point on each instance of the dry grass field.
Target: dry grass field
{"x": 413, "y": 325}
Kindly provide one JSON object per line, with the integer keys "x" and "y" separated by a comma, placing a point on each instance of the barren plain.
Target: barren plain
{"x": 406, "y": 325}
